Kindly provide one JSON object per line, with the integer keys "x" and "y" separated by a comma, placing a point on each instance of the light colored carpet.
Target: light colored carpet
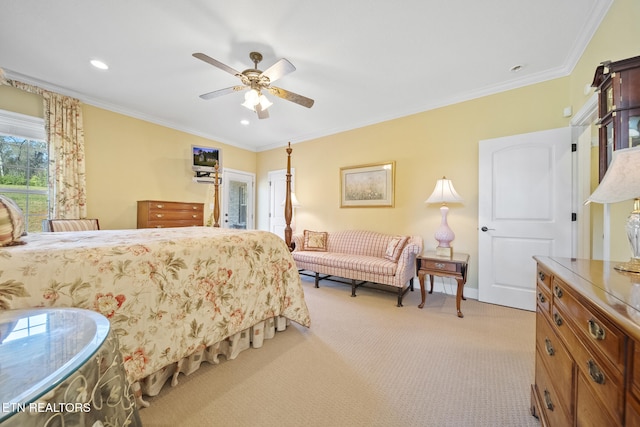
{"x": 366, "y": 362}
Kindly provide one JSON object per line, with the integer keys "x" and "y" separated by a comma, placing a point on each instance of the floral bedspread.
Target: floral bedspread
{"x": 167, "y": 292}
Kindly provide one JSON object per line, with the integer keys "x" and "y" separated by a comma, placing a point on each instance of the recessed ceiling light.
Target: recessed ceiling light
{"x": 244, "y": 122}
{"x": 99, "y": 64}
{"x": 516, "y": 68}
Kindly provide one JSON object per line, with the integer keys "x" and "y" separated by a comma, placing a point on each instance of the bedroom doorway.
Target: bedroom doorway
{"x": 524, "y": 209}
{"x": 238, "y": 196}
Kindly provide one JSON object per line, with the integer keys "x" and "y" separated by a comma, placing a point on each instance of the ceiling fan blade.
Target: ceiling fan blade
{"x": 278, "y": 70}
{"x": 215, "y": 63}
{"x": 290, "y": 96}
{"x": 262, "y": 114}
{"x": 220, "y": 92}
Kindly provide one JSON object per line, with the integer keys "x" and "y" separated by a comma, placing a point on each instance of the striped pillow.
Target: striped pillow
{"x": 12, "y": 225}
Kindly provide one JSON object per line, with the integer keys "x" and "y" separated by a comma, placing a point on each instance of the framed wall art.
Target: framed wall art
{"x": 367, "y": 185}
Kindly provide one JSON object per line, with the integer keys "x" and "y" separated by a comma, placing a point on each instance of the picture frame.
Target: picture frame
{"x": 370, "y": 185}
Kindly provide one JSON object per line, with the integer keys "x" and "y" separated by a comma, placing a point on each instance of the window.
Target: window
{"x": 28, "y": 326}
{"x": 24, "y": 164}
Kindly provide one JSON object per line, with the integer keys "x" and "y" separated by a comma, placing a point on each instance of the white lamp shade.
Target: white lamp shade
{"x": 622, "y": 180}
{"x": 444, "y": 193}
{"x": 294, "y": 201}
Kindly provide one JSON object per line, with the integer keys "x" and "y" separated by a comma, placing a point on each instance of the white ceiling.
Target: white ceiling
{"x": 362, "y": 61}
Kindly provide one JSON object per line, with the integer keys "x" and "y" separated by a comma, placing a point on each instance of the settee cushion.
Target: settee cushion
{"x": 361, "y": 263}
{"x": 315, "y": 241}
{"x": 394, "y": 248}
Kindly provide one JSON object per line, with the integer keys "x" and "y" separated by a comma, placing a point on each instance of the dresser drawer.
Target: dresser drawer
{"x": 549, "y": 400}
{"x": 543, "y": 298}
{"x": 605, "y": 383}
{"x": 589, "y": 410}
{"x": 168, "y": 215}
{"x": 592, "y": 327}
{"x": 173, "y": 223}
{"x": 443, "y": 266}
{"x": 173, "y": 206}
{"x": 556, "y": 360}
{"x": 543, "y": 276}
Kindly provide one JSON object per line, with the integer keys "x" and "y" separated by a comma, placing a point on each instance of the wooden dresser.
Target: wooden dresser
{"x": 587, "y": 369}
{"x": 161, "y": 214}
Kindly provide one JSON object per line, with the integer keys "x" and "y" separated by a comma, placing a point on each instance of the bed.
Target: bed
{"x": 175, "y": 297}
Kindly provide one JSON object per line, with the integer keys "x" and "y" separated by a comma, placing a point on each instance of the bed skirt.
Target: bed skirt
{"x": 229, "y": 348}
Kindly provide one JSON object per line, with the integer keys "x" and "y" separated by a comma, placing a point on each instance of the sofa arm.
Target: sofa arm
{"x": 407, "y": 261}
{"x": 298, "y": 239}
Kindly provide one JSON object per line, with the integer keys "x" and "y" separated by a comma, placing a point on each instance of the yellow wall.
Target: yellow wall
{"x": 425, "y": 147}
{"x": 18, "y": 101}
{"x": 130, "y": 159}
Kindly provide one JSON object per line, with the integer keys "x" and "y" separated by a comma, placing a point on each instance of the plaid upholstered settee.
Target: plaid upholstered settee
{"x": 359, "y": 255}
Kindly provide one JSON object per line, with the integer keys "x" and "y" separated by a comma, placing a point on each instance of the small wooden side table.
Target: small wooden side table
{"x": 434, "y": 265}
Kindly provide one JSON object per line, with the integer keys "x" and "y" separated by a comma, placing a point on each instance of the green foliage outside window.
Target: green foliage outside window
{"x": 24, "y": 177}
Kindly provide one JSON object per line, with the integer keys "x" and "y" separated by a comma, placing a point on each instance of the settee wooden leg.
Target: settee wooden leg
{"x": 411, "y": 284}
{"x": 353, "y": 287}
{"x": 400, "y": 294}
{"x": 317, "y": 279}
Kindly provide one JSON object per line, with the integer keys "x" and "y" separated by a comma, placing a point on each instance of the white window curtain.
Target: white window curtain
{"x": 65, "y": 135}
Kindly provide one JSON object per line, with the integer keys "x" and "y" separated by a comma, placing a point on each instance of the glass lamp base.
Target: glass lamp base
{"x": 631, "y": 266}
{"x": 633, "y": 233}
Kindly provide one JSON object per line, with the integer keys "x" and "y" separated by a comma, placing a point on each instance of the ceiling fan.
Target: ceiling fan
{"x": 257, "y": 81}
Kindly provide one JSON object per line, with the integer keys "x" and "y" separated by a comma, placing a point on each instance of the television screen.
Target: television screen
{"x": 205, "y": 159}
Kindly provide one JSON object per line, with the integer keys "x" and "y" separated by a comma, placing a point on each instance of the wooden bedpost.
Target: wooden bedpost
{"x": 216, "y": 202}
{"x": 288, "y": 210}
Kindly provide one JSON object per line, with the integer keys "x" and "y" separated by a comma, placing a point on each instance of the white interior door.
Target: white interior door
{"x": 277, "y": 190}
{"x": 238, "y": 197}
{"x": 524, "y": 210}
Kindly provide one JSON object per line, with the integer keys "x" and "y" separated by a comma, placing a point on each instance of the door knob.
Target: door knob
{"x": 485, "y": 229}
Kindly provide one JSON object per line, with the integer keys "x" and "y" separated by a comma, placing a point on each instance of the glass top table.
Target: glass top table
{"x": 46, "y": 364}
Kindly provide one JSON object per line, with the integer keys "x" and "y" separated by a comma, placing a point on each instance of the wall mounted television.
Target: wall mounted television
{"x": 204, "y": 160}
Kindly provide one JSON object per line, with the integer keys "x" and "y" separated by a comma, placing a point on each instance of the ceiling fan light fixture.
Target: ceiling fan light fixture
{"x": 251, "y": 99}
{"x": 264, "y": 102}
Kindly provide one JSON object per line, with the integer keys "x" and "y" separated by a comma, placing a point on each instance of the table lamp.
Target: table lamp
{"x": 294, "y": 204}
{"x": 444, "y": 193}
{"x": 622, "y": 182}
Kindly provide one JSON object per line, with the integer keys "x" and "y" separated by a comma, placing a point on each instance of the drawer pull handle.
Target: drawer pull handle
{"x": 439, "y": 265}
{"x": 159, "y": 215}
{"x": 160, "y": 206}
{"x": 541, "y": 276}
{"x": 596, "y": 331}
{"x": 541, "y": 297}
{"x": 550, "y": 350}
{"x": 194, "y": 216}
{"x": 557, "y": 290}
{"x": 557, "y": 319}
{"x": 547, "y": 400}
{"x": 595, "y": 373}
{"x": 194, "y": 207}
